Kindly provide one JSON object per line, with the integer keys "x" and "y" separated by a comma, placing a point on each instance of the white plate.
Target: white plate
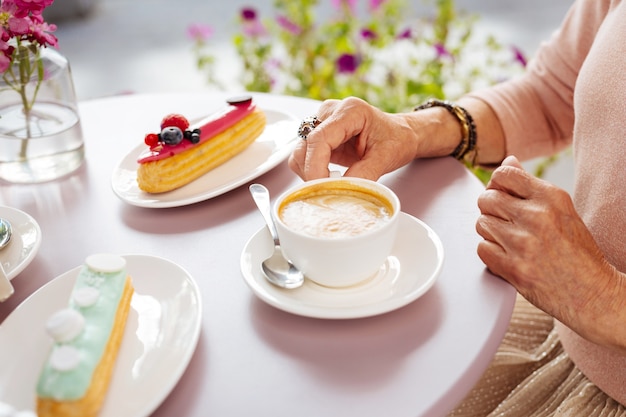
{"x": 24, "y": 243}
{"x": 160, "y": 337}
{"x": 411, "y": 269}
{"x": 271, "y": 148}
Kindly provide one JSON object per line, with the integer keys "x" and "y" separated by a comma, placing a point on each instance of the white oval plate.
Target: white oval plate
{"x": 411, "y": 269}
{"x": 24, "y": 243}
{"x": 160, "y": 337}
{"x": 271, "y": 148}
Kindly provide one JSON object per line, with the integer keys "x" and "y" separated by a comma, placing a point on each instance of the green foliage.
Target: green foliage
{"x": 399, "y": 61}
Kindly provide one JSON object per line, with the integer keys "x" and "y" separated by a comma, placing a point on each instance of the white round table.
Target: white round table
{"x": 252, "y": 358}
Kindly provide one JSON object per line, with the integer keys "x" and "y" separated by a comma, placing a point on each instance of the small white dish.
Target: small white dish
{"x": 411, "y": 269}
{"x": 24, "y": 243}
{"x": 271, "y": 148}
{"x": 161, "y": 335}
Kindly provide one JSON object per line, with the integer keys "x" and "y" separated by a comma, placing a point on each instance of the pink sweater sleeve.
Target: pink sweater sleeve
{"x": 537, "y": 110}
{"x": 537, "y": 114}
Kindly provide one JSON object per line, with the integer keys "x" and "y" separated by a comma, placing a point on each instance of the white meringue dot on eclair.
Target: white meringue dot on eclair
{"x": 6, "y": 410}
{"x": 64, "y": 358}
{"x": 25, "y": 413}
{"x": 64, "y": 325}
{"x": 85, "y": 296}
{"x": 105, "y": 262}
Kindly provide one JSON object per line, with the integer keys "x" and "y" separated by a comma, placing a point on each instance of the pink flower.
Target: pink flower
{"x": 199, "y": 31}
{"x": 24, "y": 22}
{"x": 375, "y": 4}
{"x": 19, "y": 25}
{"x": 9, "y": 9}
{"x": 32, "y": 6}
{"x": 42, "y": 34}
{"x": 5, "y": 48}
{"x": 8, "y": 6}
{"x": 442, "y": 51}
{"x": 405, "y": 34}
{"x": 254, "y": 29}
{"x": 368, "y": 34}
{"x": 6, "y": 51}
{"x": 252, "y": 26}
{"x": 248, "y": 13}
{"x": 519, "y": 56}
{"x": 347, "y": 64}
{"x": 338, "y": 4}
{"x": 288, "y": 25}
{"x": 5, "y": 62}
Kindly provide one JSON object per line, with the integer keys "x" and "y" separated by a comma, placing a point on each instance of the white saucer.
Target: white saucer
{"x": 24, "y": 243}
{"x": 160, "y": 338}
{"x": 412, "y": 268}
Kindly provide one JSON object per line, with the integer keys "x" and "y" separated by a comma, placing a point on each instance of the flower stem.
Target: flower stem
{"x": 26, "y": 109}
{"x": 25, "y": 72}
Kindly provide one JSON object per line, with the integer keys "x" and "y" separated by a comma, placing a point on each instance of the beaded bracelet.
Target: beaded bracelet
{"x": 468, "y": 141}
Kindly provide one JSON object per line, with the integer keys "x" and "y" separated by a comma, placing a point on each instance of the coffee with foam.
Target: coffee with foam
{"x": 337, "y": 231}
{"x": 335, "y": 210}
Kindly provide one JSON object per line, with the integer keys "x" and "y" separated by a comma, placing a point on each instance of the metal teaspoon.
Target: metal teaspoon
{"x": 6, "y": 288}
{"x": 278, "y": 270}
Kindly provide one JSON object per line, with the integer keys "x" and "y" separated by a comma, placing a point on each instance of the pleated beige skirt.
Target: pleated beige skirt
{"x": 531, "y": 376}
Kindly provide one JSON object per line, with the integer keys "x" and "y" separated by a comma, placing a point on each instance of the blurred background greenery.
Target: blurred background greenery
{"x": 142, "y": 46}
{"x": 373, "y": 52}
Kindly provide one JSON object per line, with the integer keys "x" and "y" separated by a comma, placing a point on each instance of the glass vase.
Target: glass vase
{"x": 40, "y": 133}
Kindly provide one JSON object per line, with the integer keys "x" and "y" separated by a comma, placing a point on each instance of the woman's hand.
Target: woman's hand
{"x": 371, "y": 142}
{"x": 534, "y": 239}
{"x": 357, "y": 135}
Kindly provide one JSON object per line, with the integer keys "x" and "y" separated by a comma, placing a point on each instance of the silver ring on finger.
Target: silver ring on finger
{"x": 307, "y": 125}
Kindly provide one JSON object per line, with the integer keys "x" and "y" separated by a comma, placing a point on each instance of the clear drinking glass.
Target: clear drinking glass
{"x": 40, "y": 133}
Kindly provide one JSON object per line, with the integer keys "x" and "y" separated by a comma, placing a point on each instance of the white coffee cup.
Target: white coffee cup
{"x": 331, "y": 248}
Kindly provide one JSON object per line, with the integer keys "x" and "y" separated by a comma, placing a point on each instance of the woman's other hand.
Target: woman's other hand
{"x": 534, "y": 239}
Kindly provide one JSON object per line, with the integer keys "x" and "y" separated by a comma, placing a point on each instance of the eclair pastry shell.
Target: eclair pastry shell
{"x": 90, "y": 404}
{"x": 180, "y": 169}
